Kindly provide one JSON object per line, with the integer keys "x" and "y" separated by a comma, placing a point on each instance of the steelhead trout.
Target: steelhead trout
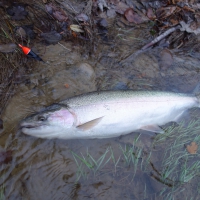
{"x": 108, "y": 114}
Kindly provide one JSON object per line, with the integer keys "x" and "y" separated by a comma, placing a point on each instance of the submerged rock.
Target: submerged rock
{"x": 7, "y": 48}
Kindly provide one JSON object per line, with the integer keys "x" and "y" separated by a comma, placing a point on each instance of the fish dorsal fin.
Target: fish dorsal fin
{"x": 152, "y": 128}
{"x": 89, "y": 125}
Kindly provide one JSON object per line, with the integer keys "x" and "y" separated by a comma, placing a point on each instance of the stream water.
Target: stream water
{"x": 135, "y": 166}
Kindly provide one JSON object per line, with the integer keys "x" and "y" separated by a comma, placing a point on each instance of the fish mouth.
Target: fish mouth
{"x": 30, "y": 125}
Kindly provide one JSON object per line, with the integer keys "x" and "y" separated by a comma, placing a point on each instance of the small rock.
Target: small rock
{"x": 51, "y": 37}
{"x": 103, "y": 23}
{"x": 166, "y": 59}
{"x": 21, "y": 32}
{"x": 17, "y": 11}
{"x": 29, "y": 31}
{"x": 82, "y": 17}
{"x": 7, "y": 48}
{"x": 111, "y": 13}
{"x": 87, "y": 70}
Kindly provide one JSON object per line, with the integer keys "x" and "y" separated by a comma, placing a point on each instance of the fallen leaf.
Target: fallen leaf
{"x": 133, "y": 16}
{"x": 60, "y": 16}
{"x": 76, "y": 28}
{"x": 66, "y": 85}
{"x": 192, "y": 148}
{"x": 150, "y": 14}
{"x": 121, "y": 8}
{"x": 49, "y": 8}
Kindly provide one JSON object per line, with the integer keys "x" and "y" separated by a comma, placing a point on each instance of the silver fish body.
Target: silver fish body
{"x": 108, "y": 114}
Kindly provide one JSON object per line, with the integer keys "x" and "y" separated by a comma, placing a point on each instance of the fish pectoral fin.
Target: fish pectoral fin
{"x": 152, "y": 128}
{"x": 89, "y": 125}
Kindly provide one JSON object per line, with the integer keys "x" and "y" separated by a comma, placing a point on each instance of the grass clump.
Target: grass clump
{"x": 130, "y": 156}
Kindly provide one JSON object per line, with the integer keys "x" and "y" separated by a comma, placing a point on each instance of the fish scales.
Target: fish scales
{"x": 109, "y": 114}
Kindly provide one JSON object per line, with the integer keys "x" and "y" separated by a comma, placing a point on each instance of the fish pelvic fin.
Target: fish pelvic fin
{"x": 153, "y": 128}
{"x": 89, "y": 125}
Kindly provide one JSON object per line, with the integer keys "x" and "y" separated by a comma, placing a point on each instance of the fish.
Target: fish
{"x": 108, "y": 114}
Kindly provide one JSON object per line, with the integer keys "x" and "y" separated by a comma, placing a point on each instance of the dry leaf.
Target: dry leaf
{"x": 121, "y": 8}
{"x": 66, "y": 85}
{"x": 76, "y": 28}
{"x": 150, "y": 14}
{"x": 133, "y": 16}
{"x": 192, "y": 148}
{"x": 60, "y": 16}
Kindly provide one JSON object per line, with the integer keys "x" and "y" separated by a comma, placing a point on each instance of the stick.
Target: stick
{"x": 160, "y": 37}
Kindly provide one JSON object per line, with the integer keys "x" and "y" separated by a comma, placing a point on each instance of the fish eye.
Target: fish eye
{"x": 41, "y": 118}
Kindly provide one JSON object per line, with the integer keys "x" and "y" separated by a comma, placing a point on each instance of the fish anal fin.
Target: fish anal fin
{"x": 89, "y": 125}
{"x": 152, "y": 128}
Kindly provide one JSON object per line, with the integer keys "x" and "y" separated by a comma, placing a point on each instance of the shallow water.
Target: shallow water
{"x": 128, "y": 167}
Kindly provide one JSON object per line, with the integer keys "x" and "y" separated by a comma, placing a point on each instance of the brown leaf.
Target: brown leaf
{"x": 60, "y": 16}
{"x": 150, "y": 14}
{"x": 192, "y": 148}
{"x": 121, "y": 8}
{"x": 132, "y": 16}
{"x": 66, "y": 85}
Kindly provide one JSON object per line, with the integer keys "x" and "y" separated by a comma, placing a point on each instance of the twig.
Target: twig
{"x": 63, "y": 46}
{"x": 160, "y": 37}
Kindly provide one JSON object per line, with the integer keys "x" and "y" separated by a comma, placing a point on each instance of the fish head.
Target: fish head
{"x": 49, "y": 123}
